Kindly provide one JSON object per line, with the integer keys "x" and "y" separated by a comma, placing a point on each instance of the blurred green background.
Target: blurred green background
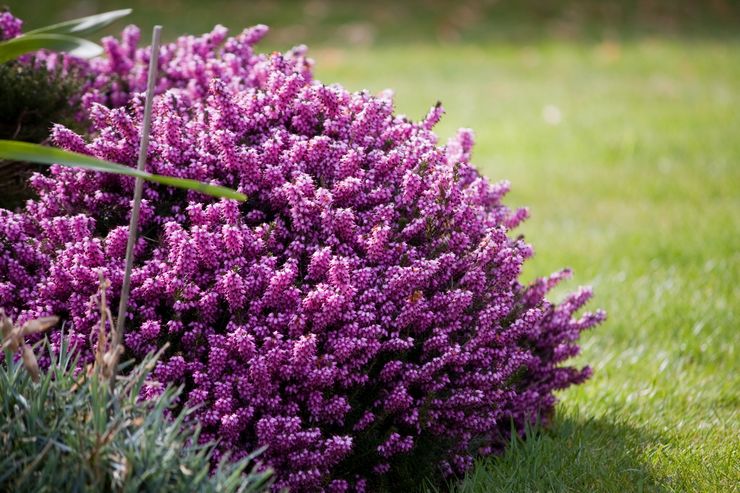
{"x": 618, "y": 123}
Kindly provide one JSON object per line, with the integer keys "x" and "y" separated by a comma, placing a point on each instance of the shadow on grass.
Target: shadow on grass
{"x": 573, "y": 455}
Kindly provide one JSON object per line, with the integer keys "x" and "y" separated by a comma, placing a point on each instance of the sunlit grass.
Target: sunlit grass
{"x": 637, "y": 187}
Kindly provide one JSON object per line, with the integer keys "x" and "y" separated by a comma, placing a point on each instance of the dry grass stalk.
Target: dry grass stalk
{"x": 13, "y": 338}
{"x": 109, "y": 349}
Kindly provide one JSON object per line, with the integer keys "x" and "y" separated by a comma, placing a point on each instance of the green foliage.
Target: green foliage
{"x": 31, "y": 99}
{"x": 68, "y": 432}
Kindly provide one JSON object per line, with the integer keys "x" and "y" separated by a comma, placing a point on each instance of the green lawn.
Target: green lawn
{"x": 637, "y": 187}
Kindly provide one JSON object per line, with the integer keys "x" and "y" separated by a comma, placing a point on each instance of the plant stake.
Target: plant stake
{"x": 138, "y": 187}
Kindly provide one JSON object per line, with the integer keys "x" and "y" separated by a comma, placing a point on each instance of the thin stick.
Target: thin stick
{"x": 102, "y": 334}
{"x": 138, "y": 187}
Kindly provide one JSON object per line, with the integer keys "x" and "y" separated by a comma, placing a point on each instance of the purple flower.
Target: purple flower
{"x": 10, "y": 26}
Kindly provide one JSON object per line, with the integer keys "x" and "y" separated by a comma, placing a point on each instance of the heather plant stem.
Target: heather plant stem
{"x": 134, "y": 224}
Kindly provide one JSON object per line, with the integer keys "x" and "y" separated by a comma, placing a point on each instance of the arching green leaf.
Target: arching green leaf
{"x": 35, "y": 153}
{"x": 84, "y": 24}
{"x": 12, "y": 49}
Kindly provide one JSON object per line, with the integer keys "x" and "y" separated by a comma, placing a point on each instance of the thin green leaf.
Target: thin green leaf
{"x": 35, "y": 153}
{"x": 12, "y": 49}
{"x": 84, "y": 24}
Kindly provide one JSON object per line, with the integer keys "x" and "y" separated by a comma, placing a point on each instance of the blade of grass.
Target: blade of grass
{"x": 12, "y": 49}
{"x": 83, "y": 25}
{"x": 35, "y": 153}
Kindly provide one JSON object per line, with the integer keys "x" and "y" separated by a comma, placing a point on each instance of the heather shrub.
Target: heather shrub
{"x": 360, "y": 315}
{"x": 29, "y": 101}
{"x": 66, "y": 433}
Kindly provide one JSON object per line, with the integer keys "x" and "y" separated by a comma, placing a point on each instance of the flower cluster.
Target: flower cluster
{"x": 359, "y": 313}
{"x": 10, "y": 26}
{"x": 188, "y": 65}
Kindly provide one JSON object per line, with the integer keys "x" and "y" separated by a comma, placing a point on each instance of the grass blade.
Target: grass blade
{"x": 83, "y": 25}
{"x": 12, "y": 49}
{"x": 35, "y": 153}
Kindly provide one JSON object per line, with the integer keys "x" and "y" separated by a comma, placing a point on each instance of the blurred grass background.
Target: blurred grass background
{"x": 618, "y": 124}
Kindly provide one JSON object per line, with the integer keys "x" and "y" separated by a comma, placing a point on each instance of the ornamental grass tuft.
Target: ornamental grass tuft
{"x": 67, "y": 432}
{"x": 360, "y": 316}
